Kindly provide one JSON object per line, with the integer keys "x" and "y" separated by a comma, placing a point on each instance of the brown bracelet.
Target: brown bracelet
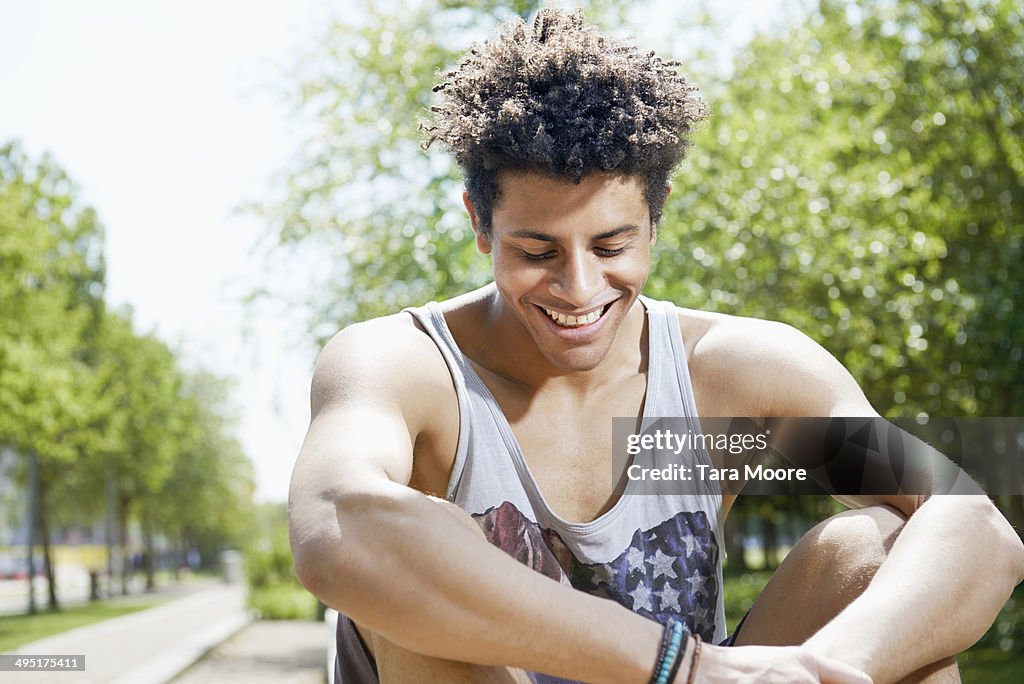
{"x": 692, "y": 677}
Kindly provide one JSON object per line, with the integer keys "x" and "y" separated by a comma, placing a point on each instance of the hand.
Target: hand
{"x": 770, "y": 664}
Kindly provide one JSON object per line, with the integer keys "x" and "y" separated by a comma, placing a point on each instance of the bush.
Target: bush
{"x": 274, "y": 591}
{"x": 285, "y": 601}
{"x": 269, "y": 561}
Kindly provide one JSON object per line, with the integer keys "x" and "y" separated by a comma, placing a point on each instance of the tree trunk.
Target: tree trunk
{"x": 44, "y": 531}
{"x": 110, "y": 535}
{"x": 178, "y": 554}
{"x": 122, "y": 523}
{"x": 148, "y": 559}
{"x": 33, "y": 516}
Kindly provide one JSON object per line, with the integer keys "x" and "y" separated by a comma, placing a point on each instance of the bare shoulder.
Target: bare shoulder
{"x": 723, "y": 339}
{"x": 383, "y": 361}
{"x": 752, "y": 366}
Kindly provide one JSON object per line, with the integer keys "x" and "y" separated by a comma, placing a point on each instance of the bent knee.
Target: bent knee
{"x": 855, "y": 543}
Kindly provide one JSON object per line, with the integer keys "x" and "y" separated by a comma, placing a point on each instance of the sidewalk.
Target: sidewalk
{"x": 148, "y": 647}
{"x": 273, "y": 652}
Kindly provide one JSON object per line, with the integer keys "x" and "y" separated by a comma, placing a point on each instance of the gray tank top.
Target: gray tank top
{"x": 657, "y": 555}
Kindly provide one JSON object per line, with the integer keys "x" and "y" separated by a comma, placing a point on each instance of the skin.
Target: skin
{"x": 419, "y": 579}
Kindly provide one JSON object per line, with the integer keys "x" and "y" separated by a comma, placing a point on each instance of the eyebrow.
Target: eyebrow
{"x": 630, "y": 229}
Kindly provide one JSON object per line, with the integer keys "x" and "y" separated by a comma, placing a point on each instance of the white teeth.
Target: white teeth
{"x": 574, "y": 321}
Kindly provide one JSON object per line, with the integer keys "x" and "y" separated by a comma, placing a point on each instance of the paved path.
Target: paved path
{"x": 148, "y": 647}
{"x": 272, "y": 652}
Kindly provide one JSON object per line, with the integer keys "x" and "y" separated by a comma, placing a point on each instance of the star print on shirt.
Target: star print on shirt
{"x": 679, "y": 578}
{"x": 668, "y": 571}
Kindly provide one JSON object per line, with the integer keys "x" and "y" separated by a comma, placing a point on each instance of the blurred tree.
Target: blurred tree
{"x": 165, "y": 446}
{"x": 51, "y": 299}
{"x": 861, "y": 180}
{"x": 146, "y": 389}
{"x": 206, "y": 503}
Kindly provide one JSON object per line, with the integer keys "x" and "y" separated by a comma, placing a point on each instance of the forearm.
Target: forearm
{"x": 406, "y": 569}
{"x": 945, "y": 579}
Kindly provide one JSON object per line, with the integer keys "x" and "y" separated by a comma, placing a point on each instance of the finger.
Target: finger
{"x": 836, "y": 672}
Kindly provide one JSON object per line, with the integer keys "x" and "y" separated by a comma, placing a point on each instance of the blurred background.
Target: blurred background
{"x": 195, "y": 196}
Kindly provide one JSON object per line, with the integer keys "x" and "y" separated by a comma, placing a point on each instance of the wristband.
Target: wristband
{"x": 668, "y": 655}
{"x": 679, "y": 661}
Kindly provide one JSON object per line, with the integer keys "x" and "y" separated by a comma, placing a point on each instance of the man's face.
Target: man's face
{"x": 569, "y": 260}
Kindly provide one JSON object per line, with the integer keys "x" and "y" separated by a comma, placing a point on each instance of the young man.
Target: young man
{"x": 500, "y": 401}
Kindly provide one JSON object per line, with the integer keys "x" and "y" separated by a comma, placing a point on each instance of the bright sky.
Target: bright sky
{"x": 164, "y": 114}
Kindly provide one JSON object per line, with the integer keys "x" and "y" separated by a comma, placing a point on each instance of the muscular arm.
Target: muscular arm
{"x": 952, "y": 567}
{"x": 406, "y": 568}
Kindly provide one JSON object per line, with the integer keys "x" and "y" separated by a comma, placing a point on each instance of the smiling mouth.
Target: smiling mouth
{"x": 566, "y": 321}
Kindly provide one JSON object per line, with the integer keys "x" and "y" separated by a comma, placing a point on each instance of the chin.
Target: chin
{"x": 577, "y": 360}
{"x": 576, "y": 350}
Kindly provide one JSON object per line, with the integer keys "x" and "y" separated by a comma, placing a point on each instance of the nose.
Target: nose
{"x": 580, "y": 280}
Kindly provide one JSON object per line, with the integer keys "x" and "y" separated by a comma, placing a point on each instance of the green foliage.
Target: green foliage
{"x": 208, "y": 493}
{"x": 861, "y": 180}
{"x": 741, "y": 591}
{"x": 269, "y": 561}
{"x": 283, "y": 602}
{"x": 274, "y": 590}
{"x": 990, "y": 666}
{"x": 50, "y": 296}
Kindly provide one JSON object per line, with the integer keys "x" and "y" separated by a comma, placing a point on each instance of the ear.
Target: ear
{"x": 483, "y": 242}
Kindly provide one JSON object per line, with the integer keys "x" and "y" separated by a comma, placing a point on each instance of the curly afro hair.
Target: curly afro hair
{"x": 564, "y": 101}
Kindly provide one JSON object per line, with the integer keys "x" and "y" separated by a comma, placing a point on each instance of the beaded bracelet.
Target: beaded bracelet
{"x": 668, "y": 655}
{"x": 662, "y": 649}
{"x": 679, "y": 661}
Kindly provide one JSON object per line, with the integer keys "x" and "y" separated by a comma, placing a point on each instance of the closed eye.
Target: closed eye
{"x": 538, "y": 257}
{"x": 609, "y": 252}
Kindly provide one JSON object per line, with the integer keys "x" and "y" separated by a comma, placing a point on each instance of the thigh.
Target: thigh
{"x": 396, "y": 665}
{"x": 827, "y": 569}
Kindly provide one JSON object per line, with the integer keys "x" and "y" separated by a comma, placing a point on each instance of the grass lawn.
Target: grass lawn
{"x": 17, "y": 630}
{"x": 983, "y": 664}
